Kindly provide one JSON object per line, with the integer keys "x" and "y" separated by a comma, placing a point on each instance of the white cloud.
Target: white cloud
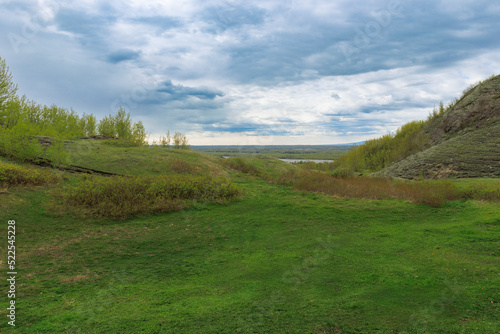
{"x": 278, "y": 64}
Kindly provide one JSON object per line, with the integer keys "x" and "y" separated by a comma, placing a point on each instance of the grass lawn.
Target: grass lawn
{"x": 278, "y": 261}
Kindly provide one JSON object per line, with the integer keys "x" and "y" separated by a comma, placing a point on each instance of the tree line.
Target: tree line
{"x": 22, "y": 121}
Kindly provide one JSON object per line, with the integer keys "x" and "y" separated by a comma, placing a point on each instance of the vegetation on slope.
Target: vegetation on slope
{"x": 122, "y": 197}
{"x": 15, "y": 175}
{"x": 375, "y": 154}
{"x": 432, "y": 193}
{"x": 158, "y": 179}
{"x": 34, "y": 132}
{"x": 106, "y": 156}
{"x": 471, "y": 154}
{"x": 475, "y": 116}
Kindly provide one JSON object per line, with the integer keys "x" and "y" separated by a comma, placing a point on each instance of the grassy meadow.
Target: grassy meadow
{"x": 274, "y": 256}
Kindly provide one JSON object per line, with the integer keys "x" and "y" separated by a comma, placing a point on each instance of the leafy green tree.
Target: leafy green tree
{"x": 139, "y": 134}
{"x": 123, "y": 124}
{"x": 177, "y": 140}
{"x": 106, "y": 126}
{"x": 8, "y": 89}
{"x": 90, "y": 125}
{"x": 184, "y": 143}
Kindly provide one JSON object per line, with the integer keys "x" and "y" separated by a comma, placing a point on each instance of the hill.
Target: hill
{"x": 459, "y": 140}
{"x": 465, "y": 139}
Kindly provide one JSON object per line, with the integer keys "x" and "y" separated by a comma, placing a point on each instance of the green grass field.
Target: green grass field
{"x": 274, "y": 261}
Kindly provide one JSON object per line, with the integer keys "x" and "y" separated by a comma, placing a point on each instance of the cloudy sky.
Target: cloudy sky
{"x": 252, "y": 72}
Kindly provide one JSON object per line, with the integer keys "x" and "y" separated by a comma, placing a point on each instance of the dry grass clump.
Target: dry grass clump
{"x": 241, "y": 166}
{"x": 433, "y": 193}
{"x": 488, "y": 192}
{"x": 182, "y": 167}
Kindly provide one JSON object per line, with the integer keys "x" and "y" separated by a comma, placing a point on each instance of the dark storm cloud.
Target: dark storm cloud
{"x": 180, "y": 92}
{"x": 122, "y": 55}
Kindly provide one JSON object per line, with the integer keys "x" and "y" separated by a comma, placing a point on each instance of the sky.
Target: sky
{"x": 270, "y": 72}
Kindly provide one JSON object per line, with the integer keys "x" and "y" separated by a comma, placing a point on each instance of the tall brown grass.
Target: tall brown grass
{"x": 433, "y": 193}
{"x": 241, "y": 165}
{"x": 181, "y": 166}
{"x": 489, "y": 192}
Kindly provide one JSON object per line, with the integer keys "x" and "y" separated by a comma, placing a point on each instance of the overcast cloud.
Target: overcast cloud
{"x": 253, "y": 72}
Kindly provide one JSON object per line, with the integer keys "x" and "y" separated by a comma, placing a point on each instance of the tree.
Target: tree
{"x": 123, "y": 124}
{"x": 184, "y": 143}
{"x": 139, "y": 133}
{"x": 106, "y": 126}
{"x": 165, "y": 140}
{"x": 90, "y": 124}
{"x": 8, "y": 89}
{"x": 177, "y": 140}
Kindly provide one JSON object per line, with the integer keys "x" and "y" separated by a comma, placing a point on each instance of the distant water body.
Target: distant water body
{"x": 304, "y": 160}
{"x": 290, "y": 160}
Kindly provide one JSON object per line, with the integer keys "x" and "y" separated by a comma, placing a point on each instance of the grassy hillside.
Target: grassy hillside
{"x": 108, "y": 156}
{"x": 459, "y": 140}
{"x": 475, "y": 153}
{"x": 277, "y": 260}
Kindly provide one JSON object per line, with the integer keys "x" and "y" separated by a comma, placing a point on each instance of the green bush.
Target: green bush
{"x": 19, "y": 142}
{"x": 378, "y": 153}
{"x": 57, "y": 154}
{"x": 13, "y": 175}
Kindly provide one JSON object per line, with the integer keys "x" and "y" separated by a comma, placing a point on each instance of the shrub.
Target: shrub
{"x": 120, "y": 197}
{"x": 57, "y": 154}
{"x": 19, "y": 143}
{"x": 13, "y": 175}
{"x": 22, "y": 119}
{"x": 378, "y": 153}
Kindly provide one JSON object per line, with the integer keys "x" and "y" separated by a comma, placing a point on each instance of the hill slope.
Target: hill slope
{"x": 465, "y": 139}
